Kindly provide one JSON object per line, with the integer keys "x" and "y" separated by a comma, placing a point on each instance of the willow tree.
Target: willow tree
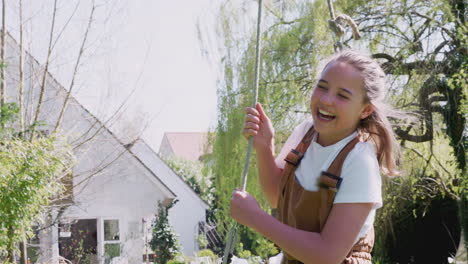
{"x": 422, "y": 47}
{"x": 285, "y": 81}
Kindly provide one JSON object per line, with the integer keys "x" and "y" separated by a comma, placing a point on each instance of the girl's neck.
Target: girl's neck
{"x": 325, "y": 142}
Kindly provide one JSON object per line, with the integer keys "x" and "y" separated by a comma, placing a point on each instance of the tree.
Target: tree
{"x": 30, "y": 84}
{"x": 422, "y": 47}
{"x": 30, "y": 180}
{"x": 164, "y": 242}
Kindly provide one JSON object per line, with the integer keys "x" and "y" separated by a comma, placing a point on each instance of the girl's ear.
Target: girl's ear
{"x": 367, "y": 111}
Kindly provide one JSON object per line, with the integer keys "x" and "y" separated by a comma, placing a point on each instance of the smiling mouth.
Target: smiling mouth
{"x": 322, "y": 114}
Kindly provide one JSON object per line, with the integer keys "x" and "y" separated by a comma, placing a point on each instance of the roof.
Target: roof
{"x": 185, "y": 145}
{"x": 146, "y": 155}
{"x": 162, "y": 181}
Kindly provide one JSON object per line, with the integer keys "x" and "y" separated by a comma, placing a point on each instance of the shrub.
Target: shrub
{"x": 164, "y": 242}
{"x": 206, "y": 253}
{"x": 174, "y": 261}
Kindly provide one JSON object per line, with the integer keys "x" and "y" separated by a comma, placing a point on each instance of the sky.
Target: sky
{"x": 147, "y": 51}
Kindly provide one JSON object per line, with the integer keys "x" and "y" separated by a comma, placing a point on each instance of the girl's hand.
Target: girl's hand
{"x": 244, "y": 208}
{"x": 258, "y": 125}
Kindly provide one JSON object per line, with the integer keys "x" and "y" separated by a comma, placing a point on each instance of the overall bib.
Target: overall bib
{"x": 308, "y": 210}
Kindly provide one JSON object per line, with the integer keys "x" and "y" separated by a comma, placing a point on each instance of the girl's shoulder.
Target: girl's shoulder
{"x": 303, "y": 127}
{"x": 362, "y": 155}
{"x": 299, "y": 131}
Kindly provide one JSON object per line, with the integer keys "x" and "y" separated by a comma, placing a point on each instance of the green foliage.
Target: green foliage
{"x": 246, "y": 254}
{"x": 295, "y": 38}
{"x": 265, "y": 249}
{"x": 206, "y": 253}
{"x": 285, "y": 85}
{"x": 111, "y": 251}
{"x": 8, "y": 113}
{"x": 173, "y": 261}
{"x": 30, "y": 173}
{"x": 196, "y": 174}
{"x": 202, "y": 241}
{"x": 164, "y": 242}
{"x": 241, "y": 252}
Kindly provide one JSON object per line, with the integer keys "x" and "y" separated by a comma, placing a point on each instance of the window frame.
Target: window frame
{"x": 105, "y": 242}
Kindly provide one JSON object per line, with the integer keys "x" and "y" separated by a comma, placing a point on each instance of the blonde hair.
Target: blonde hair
{"x": 376, "y": 127}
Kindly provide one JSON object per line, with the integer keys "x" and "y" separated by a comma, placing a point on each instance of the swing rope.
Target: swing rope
{"x": 336, "y": 24}
{"x": 231, "y": 241}
{"x": 257, "y": 77}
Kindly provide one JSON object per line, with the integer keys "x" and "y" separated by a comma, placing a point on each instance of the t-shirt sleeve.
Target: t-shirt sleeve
{"x": 361, "y": 177}
{"x": 292, "y": 142}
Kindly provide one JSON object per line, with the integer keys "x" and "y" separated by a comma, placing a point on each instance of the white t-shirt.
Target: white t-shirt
{"x": 360, "y": 172}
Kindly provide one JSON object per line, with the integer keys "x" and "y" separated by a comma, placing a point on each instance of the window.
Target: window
{"x": 111, "y": 230}
{"x": 111, "y": 240}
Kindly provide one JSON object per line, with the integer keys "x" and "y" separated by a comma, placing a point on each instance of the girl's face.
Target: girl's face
{"x": 337, "y": 103}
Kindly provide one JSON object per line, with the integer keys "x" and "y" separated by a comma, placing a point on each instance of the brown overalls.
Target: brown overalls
{"x": 307, "y": 210}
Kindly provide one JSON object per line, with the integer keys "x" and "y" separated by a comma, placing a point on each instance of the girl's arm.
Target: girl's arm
{"x": 269, "y": 175}
{"x": 258, "y": 125}
{"x": 330, "y": 246}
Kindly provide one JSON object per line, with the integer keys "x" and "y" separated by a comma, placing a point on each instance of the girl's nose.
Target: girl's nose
{"x": 326, "y": 98}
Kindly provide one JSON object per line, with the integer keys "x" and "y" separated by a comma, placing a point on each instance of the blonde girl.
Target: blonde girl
{"x": 329, "y": 187}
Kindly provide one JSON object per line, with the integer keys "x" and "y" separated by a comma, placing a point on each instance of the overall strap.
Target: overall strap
{"x": 330, "y": 181}
{"x": 331, "y": 178}
{"x": 294, "y": 157}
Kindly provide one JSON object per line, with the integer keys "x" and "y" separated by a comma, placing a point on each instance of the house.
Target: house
{"x": 116, "y": 185}
{"x": 185, "y": 145}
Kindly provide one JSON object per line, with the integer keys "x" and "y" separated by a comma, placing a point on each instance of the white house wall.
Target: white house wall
{"x": 190, "y": 209}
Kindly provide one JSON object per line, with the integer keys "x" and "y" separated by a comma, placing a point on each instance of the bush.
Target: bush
{"x": 174, "y": 261}
{"x": 164, "y": 242}
{"x": 206, "y": 253}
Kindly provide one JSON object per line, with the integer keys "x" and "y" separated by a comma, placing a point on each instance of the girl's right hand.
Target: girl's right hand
{"x": 259, "y": 126}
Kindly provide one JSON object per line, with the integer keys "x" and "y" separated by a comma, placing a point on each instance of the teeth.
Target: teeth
{"x": 325, "y": 113}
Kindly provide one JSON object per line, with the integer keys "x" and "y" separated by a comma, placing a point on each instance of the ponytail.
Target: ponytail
{"x": 378, "y": 129}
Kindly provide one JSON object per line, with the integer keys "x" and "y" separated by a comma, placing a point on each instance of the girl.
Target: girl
{"x": 324, "y": 218}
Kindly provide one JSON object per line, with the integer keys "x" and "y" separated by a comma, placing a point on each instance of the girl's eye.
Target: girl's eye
{"x": 322, "y": 87}
{"x": 343, "y": 96}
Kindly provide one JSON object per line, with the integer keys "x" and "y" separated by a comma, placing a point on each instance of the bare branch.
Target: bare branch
{"x": 440, "y": 46}
{"x": 450, "y": 33}
{"x": 66, "y": 24}
{"x": 440, "y": 182}
{"x": 437, "y": 98}
{"x": 46, "y": 70}
{"x": 388, "y": 57}
{"x": 100, "y": 168}
{"x": 2, "y": 57}
{"x": 75, "y": 71}
{"x": 21, "y": 66}
{"x": 414, "y": 138}
{"x": 420, "y": 67}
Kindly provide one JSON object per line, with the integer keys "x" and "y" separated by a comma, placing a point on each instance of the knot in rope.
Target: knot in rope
{"x": 337, "y": 25}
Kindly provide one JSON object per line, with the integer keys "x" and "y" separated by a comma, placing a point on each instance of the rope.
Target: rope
{"x": 231, "y": 241}
{"x": 257, "y": 78}
{"x": 337, "y": 24}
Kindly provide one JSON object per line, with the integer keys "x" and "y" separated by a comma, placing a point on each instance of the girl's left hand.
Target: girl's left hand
{"x": 244, "y": 208}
